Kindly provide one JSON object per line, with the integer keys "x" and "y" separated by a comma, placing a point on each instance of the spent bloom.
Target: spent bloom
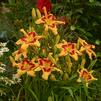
{"x": 49, "y": 21}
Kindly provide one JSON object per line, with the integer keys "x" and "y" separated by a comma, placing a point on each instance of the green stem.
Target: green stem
{"x": 69, "y": 64}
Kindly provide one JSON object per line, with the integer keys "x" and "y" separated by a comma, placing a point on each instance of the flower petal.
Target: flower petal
{"x": 45, "y": 75}
{"x": 31, "y": 73}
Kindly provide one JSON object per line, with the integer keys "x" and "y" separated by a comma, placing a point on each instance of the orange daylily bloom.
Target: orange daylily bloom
{"x": 87, "y": 47}
{"x": 47, "y": 67}
{"x": 29, "y": 39}
{"x": 68, "y": 48}
{"x": 25, "y": 66}
{"x": 49, "y": 22}
{"x": 21, "y": 52}
{"x": 85, "y": 75}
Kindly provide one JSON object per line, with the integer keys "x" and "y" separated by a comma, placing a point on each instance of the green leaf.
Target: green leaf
{"x": 18, "y": 97}
{"x": 86, "y": 91}
{"x": 91, "y": 1}
{"x": 69, "y": 90}
{"x": 97, "y": 3}
{"x": 11, "y": 1}
{"x": 34, "y": 95}
{"x": 92, "y": 64}
{"x": 98, "y": 54}
{"x": 97, "y": 42}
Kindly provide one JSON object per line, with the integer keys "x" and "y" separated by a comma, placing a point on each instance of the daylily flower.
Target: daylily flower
{"x": 25, "y": 66}
{"x": 49, "y": 22}
{"x": 20, "y": 52}
{"x": 87, "y": 47}
{"x": 44, "y": 3}
{"x": 29, "y": 39}
{"x": 47, "y": 67}
{"x": 85, "y": 75}
{"x": 68, "y": 48}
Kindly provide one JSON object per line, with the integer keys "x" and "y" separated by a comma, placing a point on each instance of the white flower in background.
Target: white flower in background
{"x": 1, "y": 53}
{"x": 6, "y": 80}
{"x": 3, "y": 48}
{"x": 3, "y": 44}
{"x": 2, "y": 92}
{"x": 16, "y": 79}
{"x": 2, "y": 67}
{"x": 2, "y": 70}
